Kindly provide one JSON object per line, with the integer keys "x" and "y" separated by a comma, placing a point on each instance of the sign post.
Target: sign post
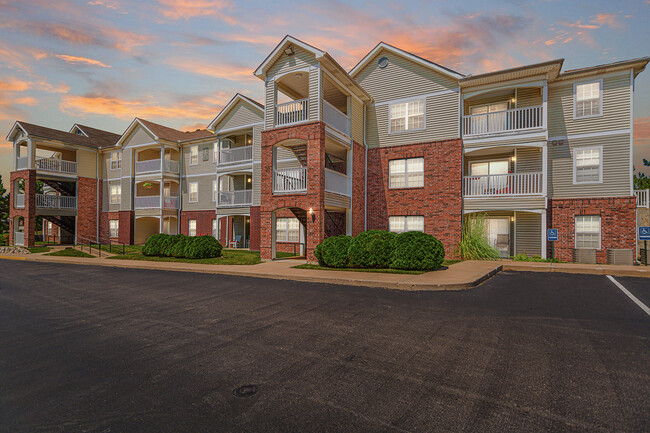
{"x": 551, "y": 236}
{"x": 644, "y": 235}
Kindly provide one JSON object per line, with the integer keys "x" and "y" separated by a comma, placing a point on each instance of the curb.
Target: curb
{"x": 642, "y": 272}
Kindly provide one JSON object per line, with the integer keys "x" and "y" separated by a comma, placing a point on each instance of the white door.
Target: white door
{"x": 499, "y": 234}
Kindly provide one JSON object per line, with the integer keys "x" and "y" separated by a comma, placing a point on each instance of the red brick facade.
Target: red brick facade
{"x": 439, "y": 201}
{"x": 126, "y": 227}
{"x": 358, "y": 188}
{"x": 29, "y": 211}
{"x": 617, "y": 222}
{"x": 203, "y": 221}
{"x": 87, "y": 200}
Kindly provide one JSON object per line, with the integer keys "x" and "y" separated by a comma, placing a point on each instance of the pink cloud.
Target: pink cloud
{"x": 76, "y": 60}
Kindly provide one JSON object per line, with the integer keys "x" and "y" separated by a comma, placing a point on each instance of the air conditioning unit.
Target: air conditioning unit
{"x": 584, "y": 255}
{"x": 620, "y": 257}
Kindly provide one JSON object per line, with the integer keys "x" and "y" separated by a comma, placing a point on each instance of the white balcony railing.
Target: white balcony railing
{"x": 19, "y": 200}
{"x": 170, "y": 166}
{"x": 503, "y": 185}
{"x": 21, "y": 163}
{"x": 290, "y": 180}
{"x": 292, "y": 112}
{"x": 147, "y": 202}
{"x": 236, "y": 198}
{"x": 237, "y": 154}
{"x": 56, "y": 165}
{"x": 19, "y": 238}
{"x": 335, "y": 118}
{"x": 147, "y": 166}
{"x": 504, "y": 121}
{"x": 642, "y": 197}
{"x": 48, "y": 201}
{"x": 337, "y": 182}
{"x": 170, "y": 202}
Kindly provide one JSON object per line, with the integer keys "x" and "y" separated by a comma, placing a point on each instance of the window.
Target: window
{"x": 116, "y": 194}
{"x": 194, "y": 155}
{"x": 206, "y": 154}
{"x": 407, "y": 116}
{"x": 406, "y": 173}
{"x": 113, "y": 228}
{"x": 215, "y": 153}
{"x": 400, "y": 224}
{"x": 287, "y": 230}
{"x": 214, "y": 190}
{"x": 194, "y": 192}
{"x": 214, "y": 229}
{"x": 587, "y": 165}
{"x": 116, "y": 160}
{"x": 191, "y": 228}
{"x": 588, "y": 231}
{"x": 588, "y": 99}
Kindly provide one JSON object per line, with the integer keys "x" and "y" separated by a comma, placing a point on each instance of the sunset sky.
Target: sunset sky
{"x": 177, "y": 62}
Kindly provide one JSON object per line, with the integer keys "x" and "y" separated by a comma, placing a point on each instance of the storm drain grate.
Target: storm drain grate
{"x": 245, "y": 391}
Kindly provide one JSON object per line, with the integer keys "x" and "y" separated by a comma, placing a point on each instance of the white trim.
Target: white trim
{"x": 506, "y": 136}
{"x": 335, "y": 134}
{"x": 129, "y": 130}
{"x": 194, "y": 146}
{"x": 404, "y": 54}
{"x": 406, "y": 172}
{"x": 230, "y": 105}
{"x": 336, "y": 80}
{"x": 590, "y": 135}
{"x": 424, "y": 116}
{"x": 511, "y": 84}
{"x": 600, "y": 164}
{"x": 189, "y": 192}
{"x": 236, "y": 129}
{"x": 260, "y": 73}
{"x": 424, "y": 95}
{"x": 560, "y": 81}
{"x": 601, "y": 96}
{"x": 600, "y": 230}
{"x": 468, "y": 211}
{"x": 515, "y": 145}
{"x": 198, "y": 175}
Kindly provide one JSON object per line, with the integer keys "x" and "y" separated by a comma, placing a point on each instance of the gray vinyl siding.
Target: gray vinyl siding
{"x": 107, "y": 173}
{"x": 357, "y": 121}
{"x": 205, "y": 193}
{"x": 528, "y": 233}
{"x": 126, "y": 203}
{"x": 300, "y": 60}
{"x": 127, "y": 162}
{"x": 529, "y": 160}
{"x": 616, "y": 168}
{"x": 503, "y": 203}
{"x": 468, "y": 104}
{"x": 616, "y": 107}
{"x": 269, "y": 104}
{"x": 315, "y": 87}
{"x": 441, "y": 123}
{"x": 337, "y": 200}
{"x": 241, "y": 115}
{"x": 241, "y": 210}
{"x": 539, "y": 137}
{"x": 529, "y": 97}
{"x": 203, "y": 167}
{"x": 138, "y": 136}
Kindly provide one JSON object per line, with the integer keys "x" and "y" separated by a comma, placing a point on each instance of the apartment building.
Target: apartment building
{"x": 398, "y": 143}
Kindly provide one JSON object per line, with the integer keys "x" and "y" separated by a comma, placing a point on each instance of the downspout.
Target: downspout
{"x": 365, "y": 190}
{"x": 97, "y": 194}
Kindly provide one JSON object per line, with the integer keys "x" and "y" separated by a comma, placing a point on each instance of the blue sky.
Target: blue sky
{"x": 177, "y": 62}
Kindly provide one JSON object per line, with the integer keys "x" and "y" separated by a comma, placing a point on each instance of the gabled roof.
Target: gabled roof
{"x": 232, "y": 104}
{"x": 278, "y": 51}
{"x": 410, "y": 56}
{"x": 58, "y": 135}
{"x": 638, "y": 65}
{"x": 552, "y": 68}
{"x": 104, "y": 138}
{"x": 161, "y": 132}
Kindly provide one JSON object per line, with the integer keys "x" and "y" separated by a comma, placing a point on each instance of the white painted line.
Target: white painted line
{"x": 630, "y": 295}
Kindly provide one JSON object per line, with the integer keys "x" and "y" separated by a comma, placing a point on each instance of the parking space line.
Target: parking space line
{"x": 630, "y": 295}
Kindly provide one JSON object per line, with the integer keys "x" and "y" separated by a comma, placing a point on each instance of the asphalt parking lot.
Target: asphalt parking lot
{"x": 99, "y": 349}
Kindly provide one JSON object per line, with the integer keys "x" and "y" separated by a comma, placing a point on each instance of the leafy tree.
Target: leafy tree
{"x": 4, "y": 208}
{"x": 641, "y": 180}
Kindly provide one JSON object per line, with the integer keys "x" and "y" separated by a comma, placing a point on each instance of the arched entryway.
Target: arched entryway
{"x": 19, "y": 230}
{"x": 145, "y": 227}
{"x": 288, "y": 233}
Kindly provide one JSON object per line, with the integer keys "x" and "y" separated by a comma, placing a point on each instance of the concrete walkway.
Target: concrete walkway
{"x": 577, "y": 268}
{"x": 463, "y": 275}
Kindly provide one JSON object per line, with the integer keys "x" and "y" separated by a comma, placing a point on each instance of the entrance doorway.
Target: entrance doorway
{"x": 498, "y": 230}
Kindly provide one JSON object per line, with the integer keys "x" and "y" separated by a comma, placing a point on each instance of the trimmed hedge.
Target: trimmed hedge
{"x": 178, "y": 250}
{"x": 203, "y": 247}
{"x": 371, "y": 249}
{"x": 334, "y": 251}
{"x": 417, "y": 251}
{"x": 318, "y": 253}
{"x": 154, "y": 243}
{"x": 168, "y": 245}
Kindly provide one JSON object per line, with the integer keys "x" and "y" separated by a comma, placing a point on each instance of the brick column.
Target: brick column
{"x": 29, "y": 211}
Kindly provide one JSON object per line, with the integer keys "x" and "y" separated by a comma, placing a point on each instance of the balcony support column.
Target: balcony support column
{"x": 545, "y": 107}
{"x": 31, "y": 154}
{"x": 544, "y": 168}
{"x": 544, "y": 234}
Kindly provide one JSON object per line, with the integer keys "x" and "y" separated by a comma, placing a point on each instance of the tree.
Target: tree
{"x": 641, "y": 180}
{"x": 4, "y": 208}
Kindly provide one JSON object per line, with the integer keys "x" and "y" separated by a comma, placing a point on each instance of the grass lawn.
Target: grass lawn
{"x": 385, "y": 271}
{"x": 228, "y": 257}
{"x": 69, "y": 252}
{"x": 40, "y": 249}
{"x": 117, "y": 249}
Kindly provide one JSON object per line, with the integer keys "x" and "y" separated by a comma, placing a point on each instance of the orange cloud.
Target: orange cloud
{"x": 216, "y": 70}
{"x": 185, "y": 9}
{"x": 610, "y": 20}
{"x": 75, "y": 60}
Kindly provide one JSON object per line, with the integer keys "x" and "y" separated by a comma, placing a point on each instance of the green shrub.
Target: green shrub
{"x": 203, "y": 247}
{"x": 178, "y": 250}
{"x": 169, "y": 243}
{"x": 474, "y": 244}
{"x": 318, "y": 253}
{"x": 525, "y": 258}
{"x": 154, "y": 243}
{"x": 371, "y": 249}
{"x": 334, "y": 251}
{"x": 417, "y": 251}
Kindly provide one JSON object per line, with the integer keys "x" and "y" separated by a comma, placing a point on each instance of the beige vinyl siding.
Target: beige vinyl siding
{"x": 241, "y": 115}
{"x": 357, "y": 121}
{"x": 469, "y": 159}
{"x": 147, "y": 212}
{"x": 300, "y": 60}
{"x": 529, "y": 97}
{"x": 288, "y": 163}
{"x": 138, "y": 136}
{"x": 528, "y": 233}
{"x": 87, "y": 163}
{"x": 269, "y": 104}
{"x": 203, "y": 167}
{"x": 315, "y": 89}
{"x": 336, "y": 200}
{"x": 441, "y": 123}
{"x": 126, "y": 203}
{"x": 529, "y": 160}
{"x": 205, "y": 193}
{"x": 241, "y": 210}
{"x": 106, "y": 166}
{"x": 616, "y": 108}
{"x": 616, "y": 168}
{"x": 402, "y": 78}
{"x": 478, "y": 101}
{"x": 503, "y": 203}
{"x": 522, "y": 140}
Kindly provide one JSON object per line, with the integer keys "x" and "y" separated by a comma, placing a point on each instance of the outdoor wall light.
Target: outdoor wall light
{"x": 289, "y": 51}
{"x": 248, "y": 180}
{"x": 513, "y": 158}
{"x": 512, "y": 219}
{"x": 513, "y": 100}
{"x": 311, "y": 211}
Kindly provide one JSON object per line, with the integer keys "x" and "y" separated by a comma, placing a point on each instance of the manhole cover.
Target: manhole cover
{"x": 245, "y": 391}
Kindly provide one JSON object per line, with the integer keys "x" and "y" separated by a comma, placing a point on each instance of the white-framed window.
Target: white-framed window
{"x": 116, "y": 194}
{"x": 588, "y": 231}
{"x": 214, "y": 190}
{"x": 193, "y": 192}
{"x": 588, "y": 99}
{"x": 206, "y": 154}
{"x": 407, "y": 116}
{"x": 191, "y": 227}
{"x": 588, "y": 165}
{"x": 194, "y": 155}
{"x": 215, "y": 153}
{"x": 287, "y": 230}
{"x": 410, "y": 223}
{"x": 215, "y": 233}
{"x": 114, "y": 228}
{"x": 116, "y": 160}
{"x": 406, "y": 173}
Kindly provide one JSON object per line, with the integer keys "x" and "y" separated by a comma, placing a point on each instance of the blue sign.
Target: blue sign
{"x": 551, "y": 235}
{"x": 644, "y": 233}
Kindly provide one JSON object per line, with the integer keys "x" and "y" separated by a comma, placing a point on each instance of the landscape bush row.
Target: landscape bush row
{"x": 181, "y": 246}
{"x": 380, "y": 249}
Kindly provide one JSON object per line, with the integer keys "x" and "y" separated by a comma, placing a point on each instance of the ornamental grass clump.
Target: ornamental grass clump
{"x": 474, "y": 244}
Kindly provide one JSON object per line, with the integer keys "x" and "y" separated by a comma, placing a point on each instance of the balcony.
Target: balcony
{"x": 48, "y": 201}
{"x": 235, "y": 198}
{"x": 642, "y": 197}
{"x": 292, "y": 112}
{"x": 155, "y": 202}
{"x": 153, "y": 165}
{"x": 497, "y": 122}
{"x": 503, "y": 185}
{"x": 237, "y": 154}
{"x": 335, "y": 118}
{"x": 337, "y": 183}
{"x": 55, "y": 165}
{"x": 21, "y": 163}
{"x": 292, "y": 180}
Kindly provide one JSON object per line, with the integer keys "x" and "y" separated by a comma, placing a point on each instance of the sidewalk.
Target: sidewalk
{"x": 463, "y": 275}
{"x": 577, "y": 268}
